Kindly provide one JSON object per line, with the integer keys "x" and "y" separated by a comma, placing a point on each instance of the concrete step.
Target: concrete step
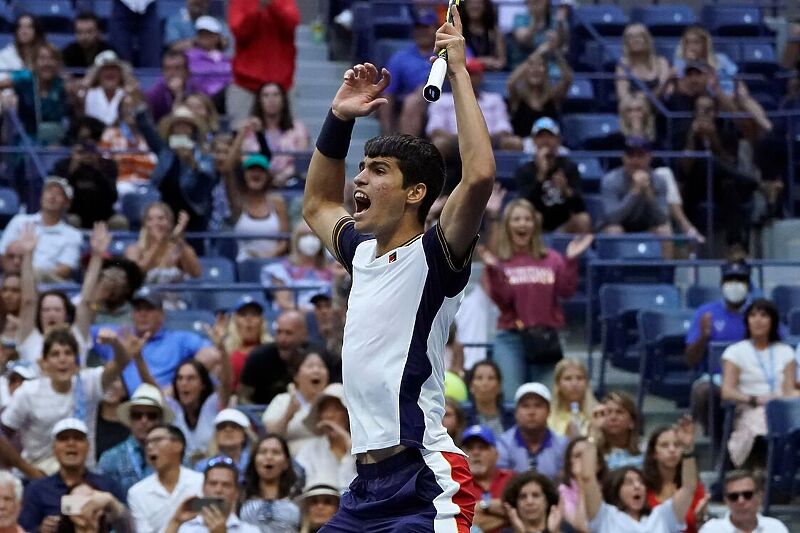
{"x": 313, "y": 70}
{"x": 311, "y": 50}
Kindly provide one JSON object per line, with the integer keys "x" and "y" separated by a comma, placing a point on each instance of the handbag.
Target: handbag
{"x": 542, "y": 345}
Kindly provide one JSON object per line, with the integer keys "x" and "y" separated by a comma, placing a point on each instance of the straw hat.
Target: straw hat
{"x": 145, "y": 395}
{"x": 185, "y": 115}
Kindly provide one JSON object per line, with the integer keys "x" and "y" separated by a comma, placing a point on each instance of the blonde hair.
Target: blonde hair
{"x": 212, "y": 120}
{"x": 143, "y": 240}
{"x": 234, "y": 341}
{"x": 536, "y": 247}
{"x": 649, "y": 119}
{"x": 588, "y": 401}
{"x": 627, "y": 402}
{"x": 711, "y": 57}
{"x": 652, "y": 57}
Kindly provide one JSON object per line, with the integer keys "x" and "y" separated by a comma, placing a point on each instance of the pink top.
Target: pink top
{"x": 293, "y": 140}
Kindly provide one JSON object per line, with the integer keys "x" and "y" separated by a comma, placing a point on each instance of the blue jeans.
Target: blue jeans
{"x": 128, "y": 30}
{"x": 509, "y": 355}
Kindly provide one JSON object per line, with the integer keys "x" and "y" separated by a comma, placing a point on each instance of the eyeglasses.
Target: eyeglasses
{"x": 150, "y": 415}
{"x": 734, "y": 496}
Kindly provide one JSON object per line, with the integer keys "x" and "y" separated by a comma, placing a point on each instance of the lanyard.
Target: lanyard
{"x": 134, "y": 459}
{"x": 768, "y": 375}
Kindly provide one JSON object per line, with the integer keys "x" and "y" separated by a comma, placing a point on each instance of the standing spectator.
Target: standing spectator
{"x": 110, "y": 431}
{"x": 41, "y": 504}
{"x": 135, "y": 24}
{"x": 106, "y": 82}
{"x": 640, "y": 62}
{"x": 480, "y": 445}
{"x": 208, "y": 61}
{"x": 531, "y": 95}
{"x": 28, "y": 37}
{"x": 755, "y": 371}
{"x": 119, "y": 279}
{"x": 181, "y": 27}
{"x": 530, "y": 500}
{"x": 485, "y": 383}
{"x": 620, "y": 430}
{"x": 154, "y": 499}
{"x": 173, "y": 86}
{"x": 483, "y": 37}
{"x": 527, "y": 280}
{"x": 126, "y": 463}
{"x": 58, "y": 244}
{"x": 409, "y": 68}
{"x": 573, "y": 400}
{"x": 261, "y": 56}
{"x": 743, "y": 497}
{"x": 279, "y": 129}
{"x": 10, "y": 502}
{"x": 536, "y": 27}
{"x": 530, "y": 444}
{"x": 552, "y": 183}
{"x": 232, "y": 439}
{"x": 88, "y": 43}
{"x": 318, "y": 504}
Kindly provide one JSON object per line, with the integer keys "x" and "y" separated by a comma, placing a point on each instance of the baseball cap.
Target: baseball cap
{"x": 247, "y": 300}
{"x": 22, "y": 369}
{"x": 256, "y": 160}
{"x": 232, "y": 415}
{"x": 474, "y": 66}
{"x": 67, "y": 424}
{"x": 106, "y": 57}
{"x": 322, "y": 296}
{"x": 425, "y": 17}
{"x": 532, "y": 388}
{"x": 146, "y": 294}
{"x": 736, "y": 269}
{"x": 701, "y": 66}
{"x": 545, "y": 124}
{"x": 638, "y": 144}
{"x": 208, "y": 23}
{"x": 479, "y": 432}
{"x": 61, "y": 182}
{"x": 319, "y": 489}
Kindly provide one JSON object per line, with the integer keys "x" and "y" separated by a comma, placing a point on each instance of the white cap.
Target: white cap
{"x": 334, "y": 390}
{"x": 232, "y": 415}
{"x": 209, "y": 24}
{"x": 61, "y": 182}
{"x": 532, "y": 388}
{"x": 106, "y": 57}
{"x": 22, "y": 369}
{"x": 66, "y": 424}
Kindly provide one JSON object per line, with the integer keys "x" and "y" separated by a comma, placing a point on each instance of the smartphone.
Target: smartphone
{"x": 196, "y": 505}
{"x": 72, "y": 504}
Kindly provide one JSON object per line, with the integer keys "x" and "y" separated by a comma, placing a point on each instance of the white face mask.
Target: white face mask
{"x": 734, "y": 292}
{"x": 309, "y": 245}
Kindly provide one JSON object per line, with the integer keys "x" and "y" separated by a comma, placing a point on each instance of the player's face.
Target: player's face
{"x": 379, "y": 195}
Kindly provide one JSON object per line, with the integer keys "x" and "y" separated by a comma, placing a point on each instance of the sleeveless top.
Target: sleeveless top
{"x": 523, "y": 118}
{"x": 250, "y": 225}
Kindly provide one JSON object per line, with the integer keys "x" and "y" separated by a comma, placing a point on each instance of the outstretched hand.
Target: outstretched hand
{"x": 360, "y": 94}
{"x": 578, "y": 245}
{"x": 28, "y": 238}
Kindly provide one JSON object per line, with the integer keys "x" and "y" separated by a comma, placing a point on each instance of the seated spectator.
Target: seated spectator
{"x": 287, "y": 411}
{"x": 109, "y": 430}
{"x": 485, "y": 382}
{"x": 181, "y": 28}
{"x": 573, "y": 402}
{"x": 246, "y": 331}
{"x": 718, "y": 321}
{"x": 640, "y": 62}
{"x": 530, "y": 444}
{"x": 100, "y": 512}
{"x": 526, "y": 280}
{"x": 175, "y": 83}
{"x": 483, "y": 37}
{"x": 163, "y": 350}
{"x": 743, "y": 497}
{"x": 620, "y": 432}
{"x": 279, "y": 130}
{"x": 636, "y": 119}
{"x": 621, "y": 505}
{"x": 634, "y": 196}
{"x": 261, "y": 56}
{"x": 326, "y": 326}
{"x": 93, "y": 178}
{"x": 161, "y": 253}
{"x": 409, "y": 68}
{"x": 208, "y": 61}
{"x": 751, "y": 385}
{"x": 119, "y": 279}
{"x": 552, "y": 183}
{"x": 88, "y": 43}
{"x": 21, "y": 52}
{"x": 272, "y": 360}
{"x": 10, "y": 502}
{"x": 196, "y": 401}
{"x": 136, "y": 25}
{"x": 480, "y": 445}
{"x": 327, "y": 455}
{"x": 531, "y": 95}
{"x": 318, "y": 503}
{"x": 255, "y": 208}
{"x": 270, "y": 485}
{"x": 41, "y": 96}
{"x": 570, "y": 505}
{"x": 206, "y": 113}
{"x": 454, "y": 419}
{"x": 307, "y": 265}
{"x": 536, "y": 27}
{"x": 106, "y": 83}
{"x": 531, "y": 501}
{"x": 693, "y": 80}
{"x": 154, "y": 500}
{"x": 41, "y": 505}
{"x": 11, "y": 260}
{"x": 126, "y": 463}
{"x": 232, "y": 439}
{"x": 663, "y": 464}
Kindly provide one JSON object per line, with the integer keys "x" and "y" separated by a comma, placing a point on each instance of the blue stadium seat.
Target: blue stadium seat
{"x": 589, "y": 131}
{"x": 189, "y": 320}
{"x": 217, "y": 270}
{"x": 666, "y": 46}
{"x": 793, "y": 321}
{"x": 226, "y": 300}
{"x": 167, "y": 8}
{"x": 607, "y": 19}
{"x": 786, "y": 298}
{"x": 101, "y": 8}
{"x": 118, "y": 244}
{"x": 664, "y": 20}
{"x": 601, "y": 56}
{"x": 495, "y": 82}
{"x": 591, "y": 173}
{"x": 697, "y": 295}
{"x": 594, "y": 206}
{"x": 9, "y": 204}
{"x": 60, "y": 40}
{"x": 580, "y": 97}
{"x": 506, "y": 163}
{"x": 133, "y": 205}
{"x": 731, "y": 48}
{"x": 249, "y": 270}
{"x": 629, "y": 247}
{"x": 7, "y": 18}
{"x": 55, "y": 15}
{"x": 783, "y": 450}
{"x": 759, "y": 59}
{"x": 735, "y": 21}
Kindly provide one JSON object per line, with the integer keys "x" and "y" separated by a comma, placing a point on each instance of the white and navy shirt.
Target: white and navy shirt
{"x": 399, "y": 313}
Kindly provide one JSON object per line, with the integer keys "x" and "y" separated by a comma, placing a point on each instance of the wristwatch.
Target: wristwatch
{"x": 483, "y": 505}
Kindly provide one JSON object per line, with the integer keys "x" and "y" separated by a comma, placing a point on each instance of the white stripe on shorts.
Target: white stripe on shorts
{"x": 446, "y": 509}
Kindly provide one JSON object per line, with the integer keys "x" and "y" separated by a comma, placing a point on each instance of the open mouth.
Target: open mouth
{"x": 362, "y": 201}
{"x": 315, "y": 381}
{"x": 152, "y": 458}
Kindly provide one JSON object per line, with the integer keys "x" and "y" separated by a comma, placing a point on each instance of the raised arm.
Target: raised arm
{"x": 359, "y": 95}
{"x": 113, "y": 368}
{"x": 99, "y": 242}
{"x": 27, "y": 310}
{"x": 462, "y": 213}
{"x": 218, "y": 335}
{"x": 591, "y": 494}
{"x": 683, "y": 498}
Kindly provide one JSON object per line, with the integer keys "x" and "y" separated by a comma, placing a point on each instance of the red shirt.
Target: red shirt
{"x": 530, "y": 289}
{"x": 265, "y": 50}
{"x": 501, "y": 477}
{"x": 691, "y": 520}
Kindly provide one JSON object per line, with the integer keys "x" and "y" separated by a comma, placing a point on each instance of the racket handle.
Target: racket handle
{"x": 433, "y": 89}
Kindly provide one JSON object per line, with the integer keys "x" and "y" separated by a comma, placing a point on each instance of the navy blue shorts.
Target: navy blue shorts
{"x": 415, "y": 491}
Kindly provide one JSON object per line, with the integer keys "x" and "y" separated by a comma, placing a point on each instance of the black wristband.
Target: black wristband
{"x": 334, "y": 138}
{"x": 753, "y": 401}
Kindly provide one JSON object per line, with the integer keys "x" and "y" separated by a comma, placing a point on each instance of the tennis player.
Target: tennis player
{"x": 407, "y": 286}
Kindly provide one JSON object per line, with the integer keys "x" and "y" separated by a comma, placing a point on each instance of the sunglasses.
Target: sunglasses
{"x": 734, "y": 496}
{"x": 138, "y": 415}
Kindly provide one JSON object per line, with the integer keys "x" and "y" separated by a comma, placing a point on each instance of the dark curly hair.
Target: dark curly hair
{"x": 515, "y": 484}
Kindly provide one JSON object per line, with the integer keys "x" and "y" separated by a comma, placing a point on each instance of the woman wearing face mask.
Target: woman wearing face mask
{"x": 754, "y": 371}
{"x": 307, "y": 265}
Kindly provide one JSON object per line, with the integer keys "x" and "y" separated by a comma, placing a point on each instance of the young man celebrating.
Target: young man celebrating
{"x": 407, "y": 284}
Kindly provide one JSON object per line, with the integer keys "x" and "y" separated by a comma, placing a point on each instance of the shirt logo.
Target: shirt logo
{"x": 392, "y": 257}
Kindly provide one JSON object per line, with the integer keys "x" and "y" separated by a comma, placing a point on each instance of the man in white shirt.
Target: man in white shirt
{"x": 220, "y": 481}
{"x": 743, "y": 496}
{"x": 154, "y": 499}
{"x": 58, "y": 244}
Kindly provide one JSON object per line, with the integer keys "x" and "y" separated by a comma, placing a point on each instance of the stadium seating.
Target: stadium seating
{"x": 607, "y": 19}
{"x": 786, "y": 298}
{"x": 728, "y": 20}
{"x": 217, "y": 270}
{"x": 133, "y": 204}
{"x": 189, "y": 320}
{"x": 249, "y": 270}
{"x": 588, "y": 131}
{"x": 664, "y": 20}
{"x": 697, "y": 295}
{"x": 55, "y": 15}
{"x": 9, "y": 204}
{"x": 783, "y": 450}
